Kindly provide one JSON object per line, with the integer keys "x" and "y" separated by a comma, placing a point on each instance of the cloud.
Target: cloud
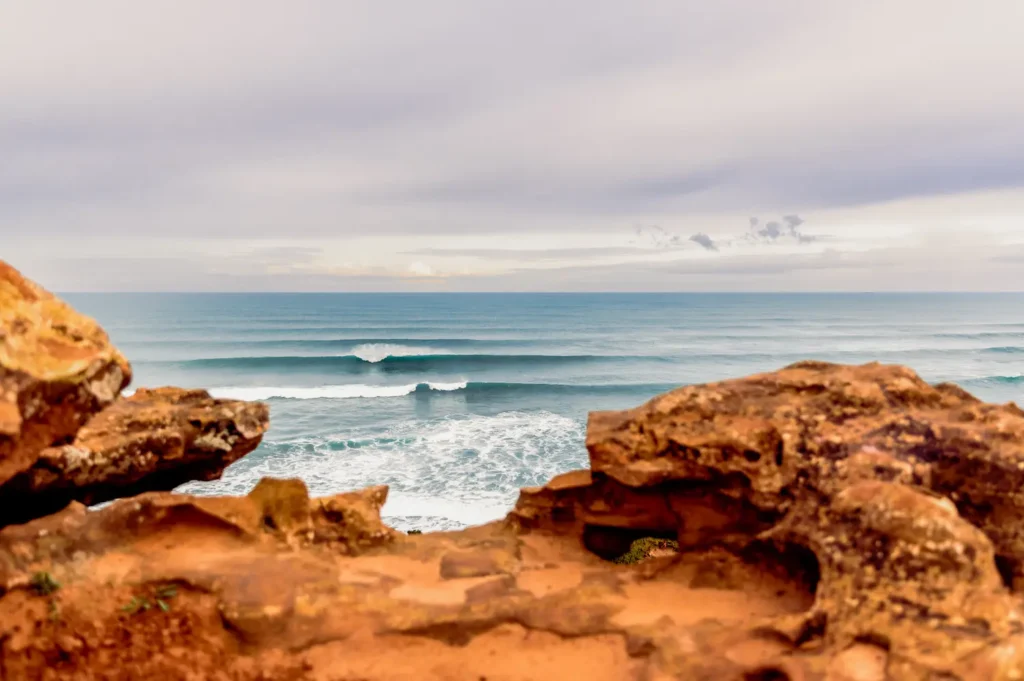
{"x": 325, "y": 124}
{"x": 656, "y": 237}
{"x": 774, "y": 230}
{"x": 706, "y": 242}
{"x": 419, "y": 269}
{"x": 532, "y": 254}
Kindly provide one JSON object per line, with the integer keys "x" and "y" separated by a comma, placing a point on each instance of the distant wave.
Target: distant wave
{"x": 355, "y": 391}
{"x": 1006, "y": 349}
{"x": 378, "y": 352}
{"x": 981, "y": 334}
{"x": 992, "y": 380}
{"x": 384, "y": 358}
{"x": 335, "y": 343}
{"x": 335, "y": 392}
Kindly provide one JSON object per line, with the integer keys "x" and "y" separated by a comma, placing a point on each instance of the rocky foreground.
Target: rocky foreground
{"x": 833, "y": 522}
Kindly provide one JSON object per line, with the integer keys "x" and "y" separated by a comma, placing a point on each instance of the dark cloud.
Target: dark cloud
{"x": 793, "y": 221}
{"x": 773, "y": 230}
{"x": 705, "y": 241}
{"x": 656, "y": 237}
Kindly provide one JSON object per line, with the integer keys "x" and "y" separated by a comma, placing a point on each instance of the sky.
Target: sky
{"x": 487, "y": 145}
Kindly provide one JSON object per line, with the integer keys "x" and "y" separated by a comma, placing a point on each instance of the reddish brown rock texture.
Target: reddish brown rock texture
{"x": 153, "y": 440}
{"x": 899, "y": 499}
{"x": 65, "y": 434}
{"x": 835, "y": 523}
{"x": 57, "y": 369}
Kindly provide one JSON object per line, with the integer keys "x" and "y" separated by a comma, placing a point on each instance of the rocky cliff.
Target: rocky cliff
{"x": 833, "y": 522}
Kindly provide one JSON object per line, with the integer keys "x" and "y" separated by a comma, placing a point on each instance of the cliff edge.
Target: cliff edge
{"x": 842, "y": 523}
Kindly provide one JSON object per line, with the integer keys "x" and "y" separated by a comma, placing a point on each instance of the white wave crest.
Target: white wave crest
{"x": 378, "y": 352}
{"x": 443, "y": 473}
{"x": 330, "y": 392}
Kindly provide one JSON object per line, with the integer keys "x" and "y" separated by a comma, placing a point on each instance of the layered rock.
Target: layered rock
{"x": 57, "y": 369}
{"x": 154, "y": 440}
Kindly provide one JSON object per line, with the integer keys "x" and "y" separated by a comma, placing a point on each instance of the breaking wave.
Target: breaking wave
{"x": 352, "y": 391}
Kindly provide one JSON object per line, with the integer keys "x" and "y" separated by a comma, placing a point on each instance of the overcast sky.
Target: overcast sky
{"x": 527, "y": 145}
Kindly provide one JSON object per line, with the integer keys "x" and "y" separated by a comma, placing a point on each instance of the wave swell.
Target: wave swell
{"x": 355, "y": 391}
{"x": 993, "y": 380}
{"x": 395, "y": 359}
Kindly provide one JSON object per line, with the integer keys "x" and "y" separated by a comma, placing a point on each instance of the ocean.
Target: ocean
{"x": 457, "y": 400}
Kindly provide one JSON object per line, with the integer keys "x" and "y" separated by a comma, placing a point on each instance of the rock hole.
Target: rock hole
{"x": 789, "y": 563}
{"x": 1005, "y": 566}
{"x": 563, "y": 514}
{"x": 752, "y": 456}
{"x": 877, "y": 640}
{"x": 778, "y": 453}
{"x": 269, "y": 521}
{"x": 626, "y": 546}
{"x": 771, "y": 673}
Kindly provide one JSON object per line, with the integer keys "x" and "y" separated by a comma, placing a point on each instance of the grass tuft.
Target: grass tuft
{"x": 44, "y": 583}
{"x": 641, "y": 549}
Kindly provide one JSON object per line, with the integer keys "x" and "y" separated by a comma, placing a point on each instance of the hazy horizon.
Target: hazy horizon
{"x": 489, "y": 146}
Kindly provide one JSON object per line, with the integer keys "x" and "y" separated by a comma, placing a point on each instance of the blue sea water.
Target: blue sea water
{"x": 458, "y": 400}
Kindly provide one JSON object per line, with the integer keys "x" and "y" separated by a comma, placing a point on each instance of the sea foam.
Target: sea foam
{"x": 443, "y": 473}
{"x": 378, "y": 352}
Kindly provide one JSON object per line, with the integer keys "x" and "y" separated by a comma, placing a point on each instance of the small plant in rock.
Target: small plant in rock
{"x": 641, "y": 549}
{"x": 44, "y": 583}
{"x": 415, "y": 532}
{"x": 136, "y": 605}
{"x": 161, "y": 596}
{"x": 164, "y": 594}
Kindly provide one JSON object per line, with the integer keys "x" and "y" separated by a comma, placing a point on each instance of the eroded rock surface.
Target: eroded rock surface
{"x": 154, "y": 440}
{"x": 57, "y": 369}
{"x": 67, "y": 435}
{"x": 907, "y": 496}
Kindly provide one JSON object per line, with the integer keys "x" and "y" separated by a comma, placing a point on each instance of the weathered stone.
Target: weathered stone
{"x": 823, "y": 535}
{"x": 154, "y": 440}
{"x": 906, "y": 495}
{"x": 57, "y": 369}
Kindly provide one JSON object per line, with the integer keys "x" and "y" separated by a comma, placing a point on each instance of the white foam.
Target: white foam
{"x": 443, "y": 473}
{"x": 447, "y": 387}
{"x": 378, "y": 352}
{"x": 333, "y": 392}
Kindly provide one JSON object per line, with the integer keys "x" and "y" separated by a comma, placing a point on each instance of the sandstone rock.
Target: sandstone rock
{"x": 906, "y": 495}
{"x": 823, "y": 534}
{"x": 57, "y": 369}
{"x": 153, "y": 440}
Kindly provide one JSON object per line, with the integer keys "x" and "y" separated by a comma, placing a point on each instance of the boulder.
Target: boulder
{"x": 57, "y": 369}
{"x": 899, "y": 501}
{"x": 67, "y": 435}
{"x": 154, "y": 440}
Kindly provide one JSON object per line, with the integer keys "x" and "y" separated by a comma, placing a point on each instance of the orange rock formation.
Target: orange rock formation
{"x": 836, "y": 523}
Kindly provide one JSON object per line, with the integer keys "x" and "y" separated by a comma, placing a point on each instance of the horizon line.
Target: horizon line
{"x": 698, "y": 293}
